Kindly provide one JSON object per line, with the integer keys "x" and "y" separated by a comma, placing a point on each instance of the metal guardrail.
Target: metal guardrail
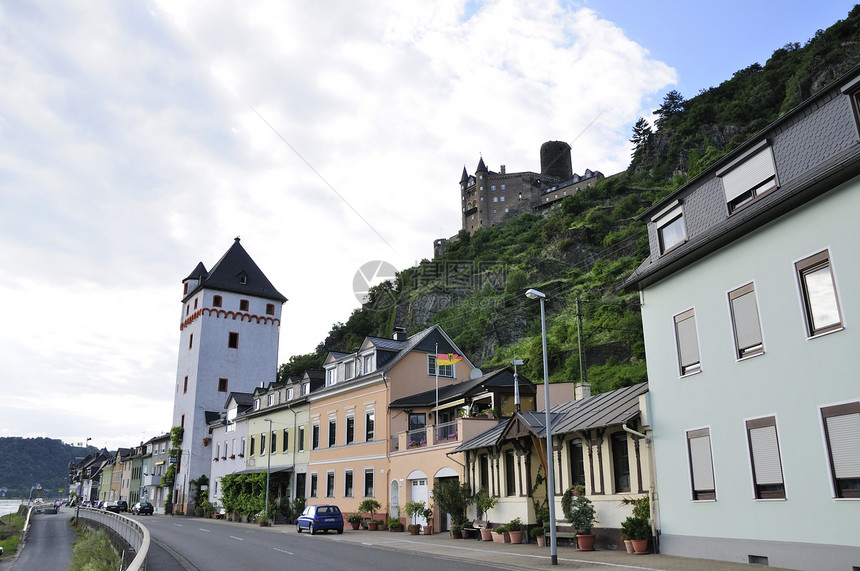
{"x": 130, "y": 530}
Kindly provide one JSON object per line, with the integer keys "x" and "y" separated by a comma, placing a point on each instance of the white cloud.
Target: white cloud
{"x": 134, "y": 149}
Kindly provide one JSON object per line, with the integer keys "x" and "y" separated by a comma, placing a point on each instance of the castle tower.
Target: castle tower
{"x": 555, "y": 160}
{"x": 228, "y": 342}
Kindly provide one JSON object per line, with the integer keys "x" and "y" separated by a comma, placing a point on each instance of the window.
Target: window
{"x": 350, "y": 429}
{"x": 185, "y": 385}
{"x": 306, "y": 388}
{"x": 577, "y": 463}
{"x": 484, "y": 471}
{"x": 332, "y": 432}
{"x": 368, "y": 426}
{"x": 270, "y": 309}
{"x": 444, "y": 370}
{"x": 503, "y": 187}
{"x": 270, "y": 399}
{"x": 348, "y": 370}
{"x": 274, "y": 447}
{"x": 301, "y": 443}
{"x": 347, "y": 484}
{"x": 620, "y": 462}
{"x": 368, "y": 482}
{"x": 216, "y": 301}
{"x": 329, "y": 484}
{"x": 818, "y": 292}
{"x": 262, "y": 444}
{"x": 251, "y": 447}
{"x": 501, "y": 199}
{"x": 233, "y": 340}
{"x": 191, "y": 341}
{"x": 285, "y": 438}
{"x": 842, "y": 434}
{"x": 256, "y": 404}
{"x": 243, "y": 305}
{"x": 195, "y": 303}
{"x": 495, "y": 199}
{"x": 242, "y": 451}
{"x": 368, "y": 364}
{"x": 217, "y": 450}
{"x": 749, "y": 177}
{"x": 510, "y": 474}
{"x": 331, "y": 377}
{"x": 315, "y": 437}
{"x": 222, "y": 385}
{"x": 745, "y": 322}
{"x": 290, "y": 394}
{"x": 314, "y": 478}
{"x": 701, "y": 464}
{"x": 182, "y": 421}
{"x": 765, "y": 458}
{"x": 492, "y": 187}
{"x": 687, "y": 342}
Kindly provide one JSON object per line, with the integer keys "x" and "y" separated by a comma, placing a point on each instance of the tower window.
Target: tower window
{"x": 270, "y": 309}
{"x": 195, "y": 303}
{"x": 222, "y": 385}
{"x": 243, "y": 305}
{"x": 185, "y": 385}
{"x": 216, "y": 301}
{"x": 233, "y": 340}
{"x": 191, "y": 341}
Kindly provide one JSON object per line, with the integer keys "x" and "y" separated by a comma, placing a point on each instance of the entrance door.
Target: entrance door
{"x": 419, "y": 494}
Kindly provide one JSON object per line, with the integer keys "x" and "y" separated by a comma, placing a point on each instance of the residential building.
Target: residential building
{"x": 599, "y": 442}
{"x": 229, "y": 330}
{"x": 748, "y": 297}
{"x": 155, "y": 464}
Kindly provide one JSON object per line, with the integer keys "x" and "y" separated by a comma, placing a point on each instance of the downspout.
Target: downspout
{"x": 652, "y": 492}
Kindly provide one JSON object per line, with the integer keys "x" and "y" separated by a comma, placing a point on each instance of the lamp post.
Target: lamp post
{"x": 535, "y": 294}
{"x": 268, "y": 467}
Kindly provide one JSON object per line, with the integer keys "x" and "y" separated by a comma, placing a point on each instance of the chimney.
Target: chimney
{"x": 502, "y": 168}
{"x": 399, "y": 334}
{"x": 581, "y": 391}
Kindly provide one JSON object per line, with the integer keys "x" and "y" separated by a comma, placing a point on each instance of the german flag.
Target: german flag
{"x": 447, "y": 358}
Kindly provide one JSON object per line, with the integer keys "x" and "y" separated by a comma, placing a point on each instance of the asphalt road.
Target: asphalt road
{"x": 213, "y": 545}
{"x": 49, "y": 543}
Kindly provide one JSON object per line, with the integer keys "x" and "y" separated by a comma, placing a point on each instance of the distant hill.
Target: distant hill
{"x": 579, "y": 253}
{"x": 25, "y": 462}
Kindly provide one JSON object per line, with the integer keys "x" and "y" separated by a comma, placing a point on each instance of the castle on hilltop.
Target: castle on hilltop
{"x": 489, "y": 198}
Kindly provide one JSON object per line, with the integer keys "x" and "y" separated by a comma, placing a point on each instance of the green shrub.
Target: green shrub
{"x": 93, "y": 551}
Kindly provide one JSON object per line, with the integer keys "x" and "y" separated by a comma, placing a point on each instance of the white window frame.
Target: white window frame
{"x": 748, "y": 177}
{"x": 746, "y": 322}
{"x": 687, "y": 365}
{"x": 665, "y": 219}
{"x": 806, "y": 267}
{"x": 446, "y": 371}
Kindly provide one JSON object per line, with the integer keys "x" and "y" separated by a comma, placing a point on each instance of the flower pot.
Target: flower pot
{"x": 455, "y": 534}
{"x": 516, "y": 536}
{"x": 414, "y": 529}
{"x": 372, "y": 525}
{"x": 503, "y": 537}
{"x": 628, "y": 544}
{"x": 428, "y": 530}
{"x": 640, "y": 546}
{"x": 486, "y": 534}
{"x": 541, "y": 540}
{"x": 355, "y": 524}
{"x": 585, "y": 542}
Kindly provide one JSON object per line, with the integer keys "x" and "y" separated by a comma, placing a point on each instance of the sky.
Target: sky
{"x": 140, "y": 138}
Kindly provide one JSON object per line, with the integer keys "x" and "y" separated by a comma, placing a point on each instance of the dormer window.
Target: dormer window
{"x": 306, "y": 388}
{"x": 367, "y": 364}
{"x": 243, "y": 279}
{"x": 331, "y": 377}
{"x": 671, "y": 230}
{"x": 348, "y": 370}
{"x": 752, "y": 175}
{"x": 256, "y": 404}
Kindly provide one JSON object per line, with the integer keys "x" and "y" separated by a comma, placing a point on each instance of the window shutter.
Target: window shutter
{"x": 749, "y": 174}
{"x": 688, "y": 344}
{"x": 700, "y": 458}
{"x": 765, "y": 452}
{"x": 844, "y": 433}
{"x": 745, "y": 313}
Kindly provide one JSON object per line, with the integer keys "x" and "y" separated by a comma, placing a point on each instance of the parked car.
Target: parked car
{"x": 143, "y": 507}
{"x": 320, "y": 518}
{"x": 117, "y": 507}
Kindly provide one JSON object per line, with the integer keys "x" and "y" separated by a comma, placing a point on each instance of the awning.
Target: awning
{"x": 275, "y": 470}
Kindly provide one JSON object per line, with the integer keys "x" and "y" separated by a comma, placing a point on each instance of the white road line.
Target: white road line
{"x": 283, "y": 551}
{"x": 206, "y": 530}
{"x": 238, "y": 538}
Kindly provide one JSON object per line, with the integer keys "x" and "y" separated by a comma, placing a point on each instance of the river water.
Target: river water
{"x": 9, "y": 506}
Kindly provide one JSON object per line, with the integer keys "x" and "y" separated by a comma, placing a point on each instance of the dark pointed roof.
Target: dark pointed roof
{"x": 236, "y": 272}
{"x": 465, "y": 176}
{"x": 481, "y": 166}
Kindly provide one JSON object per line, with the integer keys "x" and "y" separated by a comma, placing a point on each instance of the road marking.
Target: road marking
{"x": 238, "y": 538}
{"x": 178, "y": 524}
{"x": 206, "y": 530}
{"x": 283, "y": 551}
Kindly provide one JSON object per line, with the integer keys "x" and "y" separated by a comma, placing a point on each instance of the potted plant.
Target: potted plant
{"x": 467, "y": 529}
{"x": 501, "y": 535}
{"x": 638, "y": 527}
{"x": 262, "y": 520}
{"x": 354, "y": 520}
{"x": 515, "y": 529}
{"x": 413, "y": 510}
{"x": 453, "y": 498}
{"x": 395, "y": 524}
{"x": 484, "y": 502}
{"x": 428, "y": 515}
{"x": 537, "y": 534}
{"x": 579, "y": 512}
{"x": 455, "y": 531}
{"x": 370, "y": 506}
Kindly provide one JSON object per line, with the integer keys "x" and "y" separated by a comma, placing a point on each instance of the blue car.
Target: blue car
{"x": 320, "y": 518}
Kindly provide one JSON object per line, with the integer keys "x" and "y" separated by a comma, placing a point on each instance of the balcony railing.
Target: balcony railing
{"x": 446, "y": 431}
{"x": 416, "y": 438}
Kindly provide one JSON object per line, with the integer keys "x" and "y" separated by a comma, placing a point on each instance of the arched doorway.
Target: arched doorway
{"x": 418, "y": 492}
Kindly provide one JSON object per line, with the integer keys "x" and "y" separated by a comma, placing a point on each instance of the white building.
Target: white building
{"x": 750, "y": 311}
{"x": 229, "y": 330}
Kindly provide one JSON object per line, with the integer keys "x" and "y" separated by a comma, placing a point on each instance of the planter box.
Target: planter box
{"x": 516, "y": 536}
{"x": 501, "y": 537}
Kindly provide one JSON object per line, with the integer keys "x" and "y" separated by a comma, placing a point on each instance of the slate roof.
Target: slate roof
{"x": 499, "y": 378}
{"x": 599, "y": 411}
{"x": 815, "y": 149}
{"x": 226, "y": 273}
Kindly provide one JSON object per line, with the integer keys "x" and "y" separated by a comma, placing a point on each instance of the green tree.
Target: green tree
{"x": 641, "y": 132}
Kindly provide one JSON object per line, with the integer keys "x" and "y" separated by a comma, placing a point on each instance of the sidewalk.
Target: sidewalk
{"x": 529, "y": 556}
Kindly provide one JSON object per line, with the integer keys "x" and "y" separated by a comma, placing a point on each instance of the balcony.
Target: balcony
{"x": 150, "y": 480}
{"x": 446, "y": 434}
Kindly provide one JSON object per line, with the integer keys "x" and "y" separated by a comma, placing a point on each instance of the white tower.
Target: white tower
{"x": 228, "y": 342}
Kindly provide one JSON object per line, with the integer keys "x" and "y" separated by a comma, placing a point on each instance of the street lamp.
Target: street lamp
{"x": 268, "y": 467}
{"x": 535, "y": 294}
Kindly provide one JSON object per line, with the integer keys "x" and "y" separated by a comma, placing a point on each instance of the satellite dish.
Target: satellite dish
{"x": 476, "y": 373}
